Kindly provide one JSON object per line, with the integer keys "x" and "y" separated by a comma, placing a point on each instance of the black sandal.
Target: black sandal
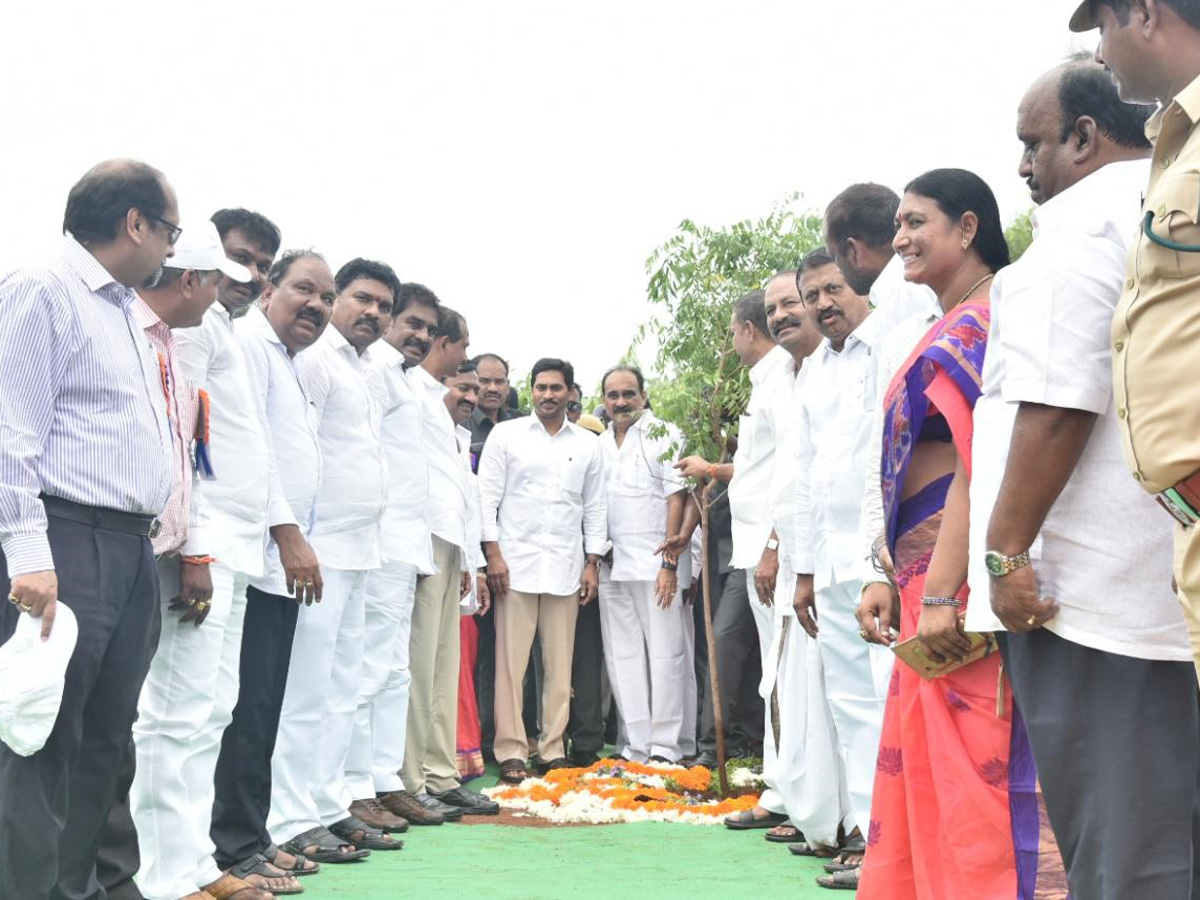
{"x": 301, "y": 867}
{"x": 513, "y": 771}
{"x": 362, "y": 835}
{"x": 258, "y": 865}
{"x": 784, "y": 833}
{"x": 559, "y": 763}
{"x": 328, "y": 848}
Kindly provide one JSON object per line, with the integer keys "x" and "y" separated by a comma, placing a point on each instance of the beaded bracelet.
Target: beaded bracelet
{"x": 940, "y": 601}
{"x": 198, "y": 560}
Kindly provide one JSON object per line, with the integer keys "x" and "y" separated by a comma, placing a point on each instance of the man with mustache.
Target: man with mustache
{"x": 542, "y": 503}
{"x": 180, "y": 716}
{"x": 493, "y": 407}
{"x": 642, "y": 614}
{"x": 310, "y": 800}
{"x": 737, "y": 624}
{"x": 380, "y": 728}
{"x": 86, "y": 463}
{"x": 187, "y": 703}
{"x": 291, "y": 315}
{"x": 430, "y": 768}
{"x": 833, "y": 443}
{"x": 462, "y": 396}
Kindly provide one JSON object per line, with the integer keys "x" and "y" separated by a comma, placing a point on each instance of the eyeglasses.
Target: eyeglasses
{"x": 574, "y": 406}
{"x": 173, "y": 231}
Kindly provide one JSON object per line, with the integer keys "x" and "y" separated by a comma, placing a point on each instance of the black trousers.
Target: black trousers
{"x": 485, "y": 681}
{"x": 1117, "y": 745}
{"x": 585, "y": 725}
{"x": 243, "y": 775}
{"x": 54, "y": 804}
{"x": 739, "y": 666}
{"x": 118, "y": 859}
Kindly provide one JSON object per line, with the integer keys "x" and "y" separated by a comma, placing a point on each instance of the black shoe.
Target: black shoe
{"x": 656, "y": 758}
{"x": 584, "y": 760}
{"x": 706, "y": 758}
{"x": 467, "y": 802}
{"x": 449, "y": 813}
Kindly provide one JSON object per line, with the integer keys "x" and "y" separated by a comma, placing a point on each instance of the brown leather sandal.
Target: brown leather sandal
{"x": 229, "y": 887}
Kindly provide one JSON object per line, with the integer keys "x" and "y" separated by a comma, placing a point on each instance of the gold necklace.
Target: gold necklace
{"x": 973, "y": 288}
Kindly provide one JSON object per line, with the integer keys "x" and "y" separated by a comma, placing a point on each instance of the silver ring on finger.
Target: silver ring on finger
{"x": 26, "y": 607}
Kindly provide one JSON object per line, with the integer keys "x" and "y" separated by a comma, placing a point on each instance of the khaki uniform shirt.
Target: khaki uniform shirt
{"x": 1156, "y": 327}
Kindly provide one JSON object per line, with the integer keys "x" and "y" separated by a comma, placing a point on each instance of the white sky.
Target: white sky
{"x": 520, "y": 158}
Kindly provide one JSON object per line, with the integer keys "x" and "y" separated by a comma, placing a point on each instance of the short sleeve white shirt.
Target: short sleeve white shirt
{"x": 449, "y": 490}
{"x": 1104, "y": 551}
{"x": 639, "y": 476}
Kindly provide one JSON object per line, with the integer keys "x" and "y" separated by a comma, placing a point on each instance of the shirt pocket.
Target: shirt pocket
{"x": 573, "y": 470}
{"x": 1172, "y": 220}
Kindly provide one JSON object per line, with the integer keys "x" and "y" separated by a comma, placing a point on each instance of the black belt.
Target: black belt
{"x": 101, "y": 517}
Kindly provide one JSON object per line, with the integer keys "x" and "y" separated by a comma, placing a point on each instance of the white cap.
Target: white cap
{"x": 32, "y": 673}
{"x": 199, "y": 247}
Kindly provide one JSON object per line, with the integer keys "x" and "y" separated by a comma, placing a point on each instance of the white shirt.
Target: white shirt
{"x": 350, "y": 501}
{"x": 291, "y": 433}
{"x": 1104, "y": 551}
{"x": 537, "y": 492}
{"x": 473, "y": 556}
{"x": 639, "y": 476}
{"x": 833, "y": 440}
{"x": 754, "y": 461}
{"x": 449, "y": 490}
{"x": 243, "y": 468}
{"x": 905, "y": 312}
{"x": 783, "y": 478}
{"x": 405, "y": 527}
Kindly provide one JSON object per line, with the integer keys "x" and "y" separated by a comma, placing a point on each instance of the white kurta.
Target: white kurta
{"x": 834, "y": 442}
{"x": 644, "y": 644}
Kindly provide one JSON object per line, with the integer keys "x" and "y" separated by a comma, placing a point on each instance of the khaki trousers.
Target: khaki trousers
{"x": 1187, "y": 581}
{"x": 519, "y": 616}
{"x": 431, "y": 743}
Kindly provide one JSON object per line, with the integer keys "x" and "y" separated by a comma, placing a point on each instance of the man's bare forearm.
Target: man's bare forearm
{"x": 1047, "y": 442}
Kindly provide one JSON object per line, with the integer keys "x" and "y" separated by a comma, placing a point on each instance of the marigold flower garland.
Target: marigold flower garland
{"x": 612, "y": 791}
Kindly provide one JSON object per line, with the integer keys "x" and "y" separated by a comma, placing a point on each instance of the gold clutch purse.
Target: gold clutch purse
{"x": 910, "y": 653}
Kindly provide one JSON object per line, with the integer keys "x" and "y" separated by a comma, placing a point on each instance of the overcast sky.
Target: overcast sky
{"x": 520, "y": 158}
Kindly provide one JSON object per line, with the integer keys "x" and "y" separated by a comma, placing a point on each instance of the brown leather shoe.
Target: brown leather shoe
{"x": 378, "y": 816}
{"x": 402, "y": 803}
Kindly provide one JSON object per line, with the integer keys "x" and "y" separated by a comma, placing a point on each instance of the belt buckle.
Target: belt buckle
{"x": 155, "y": 528}
{"x": 1180, "y": 509}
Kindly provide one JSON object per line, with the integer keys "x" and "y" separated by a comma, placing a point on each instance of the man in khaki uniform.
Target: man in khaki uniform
{"x": 1152, "y": 50}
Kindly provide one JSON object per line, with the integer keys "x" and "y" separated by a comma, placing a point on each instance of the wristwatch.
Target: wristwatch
{"x": 999, "y": 565}
{"x": 772, "y": 544}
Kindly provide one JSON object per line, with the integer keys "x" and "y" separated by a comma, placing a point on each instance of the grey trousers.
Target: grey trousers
{"x": 1117, "y": 745}
{"x": 54, "y": 804}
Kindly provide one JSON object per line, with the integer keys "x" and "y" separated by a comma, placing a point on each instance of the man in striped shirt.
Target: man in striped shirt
{"x": 86, "y": 463}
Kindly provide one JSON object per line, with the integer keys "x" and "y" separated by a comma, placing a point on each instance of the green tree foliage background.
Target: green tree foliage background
{"x": 696, "y": 278}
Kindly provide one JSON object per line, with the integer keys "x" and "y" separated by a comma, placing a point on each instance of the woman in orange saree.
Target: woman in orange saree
{"x": 941, "y": 824}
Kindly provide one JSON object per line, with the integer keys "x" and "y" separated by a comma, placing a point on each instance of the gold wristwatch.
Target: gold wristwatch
{"x": 999, "y": 565}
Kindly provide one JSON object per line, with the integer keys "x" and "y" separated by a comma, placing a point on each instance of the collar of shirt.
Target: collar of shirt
{"x": 762, "y": 370}
{"x": 1093, "y": 199}
{"x": 1187, "y": 100}
{"x": 567, "y": 427}
{"x": 93, "y": 274}
{"x": 422, "y": 377}
{"x": 147, "y": 319}
{"x": 337, "y": 342}
{"x": 256, "y": 323}
{"x": 384, "y": 354}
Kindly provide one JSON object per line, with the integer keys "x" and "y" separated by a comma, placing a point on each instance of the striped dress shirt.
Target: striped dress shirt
{"x": 80, "y": 402}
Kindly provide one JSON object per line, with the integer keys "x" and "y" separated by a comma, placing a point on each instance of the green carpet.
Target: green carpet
{"x": 655, "y": 860}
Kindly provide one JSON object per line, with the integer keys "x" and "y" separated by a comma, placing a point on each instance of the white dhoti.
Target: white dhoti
{"x": 806, "y": 773}
{"x": 856, "y": 682}
{"x": 380, "y": 722}
{"x": 185, "y": 705}
{"x": 647, "y": 660}
{"x": 767, "y": 622}
{"x": 308, "y": 784}
{"x": 691, "y": 688}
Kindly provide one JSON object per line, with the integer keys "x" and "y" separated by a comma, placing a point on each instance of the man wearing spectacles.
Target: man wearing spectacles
{"x": 86, "y": 464}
